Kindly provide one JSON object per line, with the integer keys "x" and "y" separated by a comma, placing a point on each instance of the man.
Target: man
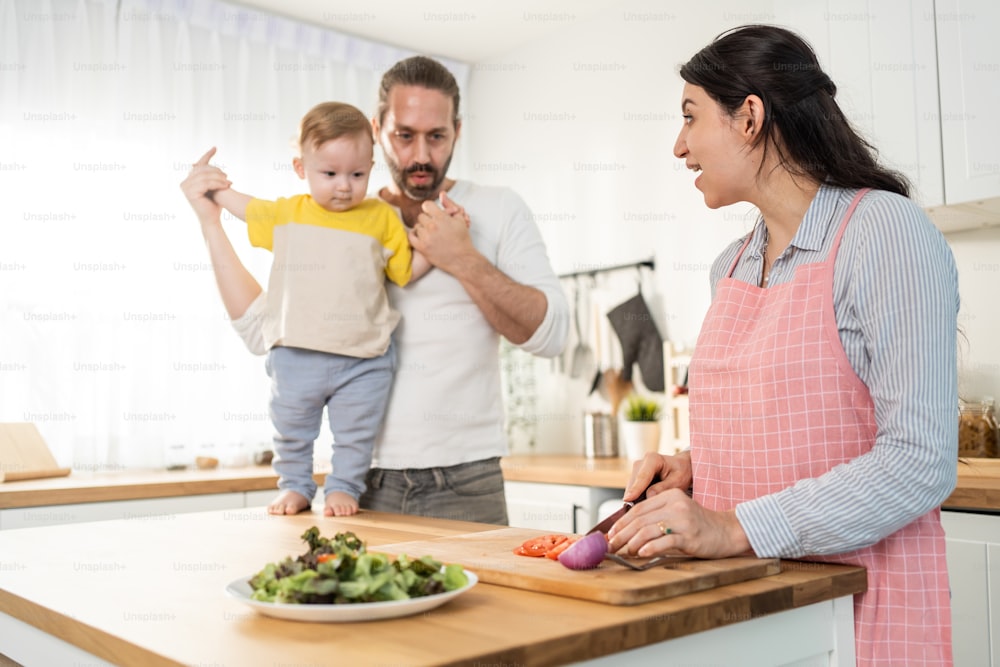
{"x": 438, "y": 453}
{"x": 439, "y": 450}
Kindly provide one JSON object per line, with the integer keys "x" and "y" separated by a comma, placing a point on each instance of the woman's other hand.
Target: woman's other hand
{"x": 656, "y": 473}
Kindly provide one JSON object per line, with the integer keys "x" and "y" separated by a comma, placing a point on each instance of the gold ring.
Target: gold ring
{"x": 663, "y": 529}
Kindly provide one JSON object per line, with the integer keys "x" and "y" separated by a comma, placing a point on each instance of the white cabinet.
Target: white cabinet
{"x": 881, "y": 55}
{"x": 973, "y": 550}
{"x": 921, "y": 81}
{"x": 968, "y": 52}
{"x": 559, "y": 508}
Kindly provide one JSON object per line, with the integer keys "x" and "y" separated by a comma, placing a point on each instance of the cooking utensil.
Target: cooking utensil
{"x": 617, "y": 387}
{"x": 651, "y": 563}
{"x": 598, "y": 383}
{"x": 583, "y": 356}
{"x": 605, "y": 525}
{"x": 600, "y": 435}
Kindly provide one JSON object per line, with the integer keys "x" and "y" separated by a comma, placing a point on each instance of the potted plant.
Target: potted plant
{"x": 640, "y": 430}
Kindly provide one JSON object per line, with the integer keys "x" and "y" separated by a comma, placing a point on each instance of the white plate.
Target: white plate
{"x": 344, "y": 613}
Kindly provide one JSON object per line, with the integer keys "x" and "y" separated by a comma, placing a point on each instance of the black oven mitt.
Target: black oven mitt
{"x": 641, "y": 341}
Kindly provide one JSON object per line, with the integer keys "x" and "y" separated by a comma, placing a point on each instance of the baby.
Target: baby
{"x": 325, "y": 319}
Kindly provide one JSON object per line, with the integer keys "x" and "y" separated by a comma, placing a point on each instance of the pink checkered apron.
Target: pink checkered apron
{"x": 773, "y": 400}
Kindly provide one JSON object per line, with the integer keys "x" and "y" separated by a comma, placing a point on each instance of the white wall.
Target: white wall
{"x": 978, "y": 257}
{"x": 582, "y": 124}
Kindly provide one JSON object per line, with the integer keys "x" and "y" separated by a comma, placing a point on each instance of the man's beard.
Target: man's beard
{"x": 418, "y": 192}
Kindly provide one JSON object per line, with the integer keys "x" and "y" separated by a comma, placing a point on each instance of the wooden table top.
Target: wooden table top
{"x": 151, "y": 591}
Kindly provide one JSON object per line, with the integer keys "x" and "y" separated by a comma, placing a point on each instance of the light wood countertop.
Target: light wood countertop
{"x": 144, "y": 592}
{"x": 978, "y": 486}
{"x": 86, "y": 487}
{"x": 978, "y": 481}
{"x": 612, "y": 473}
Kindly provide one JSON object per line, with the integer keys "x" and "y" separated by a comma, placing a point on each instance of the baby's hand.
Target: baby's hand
{"x": 451, "y": 208}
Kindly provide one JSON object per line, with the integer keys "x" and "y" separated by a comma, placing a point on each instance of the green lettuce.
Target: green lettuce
{"x": 341, "y": 570}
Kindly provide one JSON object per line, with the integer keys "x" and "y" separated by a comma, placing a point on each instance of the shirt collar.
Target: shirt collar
{"x": 815, "y": 226}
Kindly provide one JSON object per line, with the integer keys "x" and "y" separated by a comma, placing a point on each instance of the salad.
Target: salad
{"x": 341, "y": 570}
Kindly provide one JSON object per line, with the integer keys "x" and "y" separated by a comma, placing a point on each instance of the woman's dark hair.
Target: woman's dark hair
{"x": 802, "y": 120}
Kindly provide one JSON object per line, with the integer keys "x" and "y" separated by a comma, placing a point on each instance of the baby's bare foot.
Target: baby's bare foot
{"x": 288, "y": 502}
{"x": 339, "y": 504}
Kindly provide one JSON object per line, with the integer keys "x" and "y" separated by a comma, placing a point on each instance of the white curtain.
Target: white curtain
{"x": 113, "y": 340}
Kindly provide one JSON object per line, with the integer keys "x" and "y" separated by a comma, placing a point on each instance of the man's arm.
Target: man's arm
{"x": 516, "y": 310}
{"x": 237, "y": 286}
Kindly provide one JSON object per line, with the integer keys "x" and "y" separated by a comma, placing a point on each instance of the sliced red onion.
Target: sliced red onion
{"x": 586, "y": 553}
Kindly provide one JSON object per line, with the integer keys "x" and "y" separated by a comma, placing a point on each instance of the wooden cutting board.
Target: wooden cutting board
{"x": 490, "y": 555}
{"x": 24, "y": 454}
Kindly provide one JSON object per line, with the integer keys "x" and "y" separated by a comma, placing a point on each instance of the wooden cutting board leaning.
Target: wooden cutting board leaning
{"x": 490, "y": 555}
{"x": 24, "y": 454}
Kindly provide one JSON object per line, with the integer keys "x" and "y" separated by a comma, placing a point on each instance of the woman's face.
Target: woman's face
{"x": 718, "y": 147}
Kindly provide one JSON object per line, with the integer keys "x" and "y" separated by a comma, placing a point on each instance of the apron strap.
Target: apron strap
{"x": 843, "y": 224}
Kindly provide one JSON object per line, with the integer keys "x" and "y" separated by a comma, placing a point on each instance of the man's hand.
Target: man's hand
{"x": 442, "y": 235}
{"x": 201, "y": 182}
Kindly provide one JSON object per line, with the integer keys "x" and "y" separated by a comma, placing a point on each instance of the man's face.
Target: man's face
{"x": 417, "y": 136}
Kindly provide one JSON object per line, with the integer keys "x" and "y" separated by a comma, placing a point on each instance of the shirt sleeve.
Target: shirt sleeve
{"x": 399, "y": 267}
{"x": 262, "y": 216}
{"x": 249, "y": 325}
{"x": 522, "y": 257}
{"x": 902, "y": 290}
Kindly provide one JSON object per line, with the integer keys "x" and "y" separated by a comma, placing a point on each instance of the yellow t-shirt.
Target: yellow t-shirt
{"x": 327, "y": 286}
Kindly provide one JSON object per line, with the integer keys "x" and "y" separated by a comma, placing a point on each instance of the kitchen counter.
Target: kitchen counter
{"x": 978, "y": 485}
{"x": 150, "y": 592}
{"x": 978, "y": 481}
{"x": 612, "y": 473}
{"x": 86, "y": 487}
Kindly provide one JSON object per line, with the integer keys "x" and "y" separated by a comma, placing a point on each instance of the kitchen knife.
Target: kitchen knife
{"x": 605, "y": 525}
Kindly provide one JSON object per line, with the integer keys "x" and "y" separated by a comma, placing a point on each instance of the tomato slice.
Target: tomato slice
{"x": 537, "y": 547}
{"x": 554, "y": 552}
{"x": 322, "y": 558}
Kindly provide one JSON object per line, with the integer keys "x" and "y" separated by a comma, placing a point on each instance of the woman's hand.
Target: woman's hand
{"x": 671, "y": 522}
{"x": 669, "y": 472}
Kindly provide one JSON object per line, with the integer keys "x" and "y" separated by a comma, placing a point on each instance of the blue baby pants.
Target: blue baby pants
{"x": 354, "y": 392}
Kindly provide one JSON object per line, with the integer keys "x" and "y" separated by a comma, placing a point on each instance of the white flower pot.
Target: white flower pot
{"x": 639, "y": 438}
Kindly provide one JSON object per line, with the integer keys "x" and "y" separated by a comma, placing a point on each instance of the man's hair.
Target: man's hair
{"x": 332, "y": 120}
{"x": 418, "y": 71}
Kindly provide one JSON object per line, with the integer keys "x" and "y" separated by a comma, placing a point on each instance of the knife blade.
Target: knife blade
{"x": 605, "y": 525}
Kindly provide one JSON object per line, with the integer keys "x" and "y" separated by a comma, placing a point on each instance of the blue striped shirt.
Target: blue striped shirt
{"x": 896, "y": 306}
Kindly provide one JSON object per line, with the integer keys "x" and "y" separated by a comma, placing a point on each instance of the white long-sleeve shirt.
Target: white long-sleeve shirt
{"x": 895, "y": 298}
{"x": 446, "y": 405}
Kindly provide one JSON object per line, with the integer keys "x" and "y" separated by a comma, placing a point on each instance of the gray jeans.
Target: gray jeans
{"x": 465, "y": 492}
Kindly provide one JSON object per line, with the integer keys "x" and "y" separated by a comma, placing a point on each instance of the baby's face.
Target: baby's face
{"x": 337, "y": 171}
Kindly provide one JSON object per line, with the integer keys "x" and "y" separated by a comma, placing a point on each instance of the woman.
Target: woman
{"x": 823, "y": 390}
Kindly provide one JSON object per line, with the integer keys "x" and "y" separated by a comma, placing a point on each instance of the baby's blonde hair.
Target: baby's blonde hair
{"x": 332, "y": 120}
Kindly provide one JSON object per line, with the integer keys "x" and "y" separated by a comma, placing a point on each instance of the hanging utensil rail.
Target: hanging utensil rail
{"x": 648, "y": 263}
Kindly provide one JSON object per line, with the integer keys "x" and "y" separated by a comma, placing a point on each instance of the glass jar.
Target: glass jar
{"x": 977, "y": 430}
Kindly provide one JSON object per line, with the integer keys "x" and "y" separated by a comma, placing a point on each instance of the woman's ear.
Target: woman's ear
{"x": 752, "y": 117}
